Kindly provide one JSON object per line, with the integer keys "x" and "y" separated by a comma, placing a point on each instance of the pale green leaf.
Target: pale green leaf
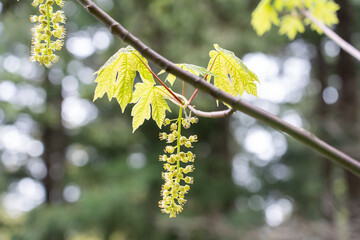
{"x": 324, "y": 11}
{"x": 150, "y": 101}
{"x": 145, "y": 74}
{"x": 107, "y": 74}
{"x": 292, "y": 4}
{"x": 267, "y": 11}
{"x": 264, "y": 16}
{"x": 279, "y": 5}
{"x": 251, "y": 88}
{"x": 116, "y": 77}
{"x": 230, "y": 73}
{"x": 291, "y": 25}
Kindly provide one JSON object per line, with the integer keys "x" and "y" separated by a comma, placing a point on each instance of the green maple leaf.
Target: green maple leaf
{"x": 291, "y": 25}
{"x": 291, "y": 4}
{"x": 324, "y": 11}
{"x": 197, "y": 70}
{"x": 146, "y": 95}
{"x": 230, "y": 73}
{"x": 264, "y": 16}
{"x": 267, "y": 11}
{"x": 116, "y": 76}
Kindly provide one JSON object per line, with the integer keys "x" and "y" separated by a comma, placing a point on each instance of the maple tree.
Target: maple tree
{"x": 231, "y": 78}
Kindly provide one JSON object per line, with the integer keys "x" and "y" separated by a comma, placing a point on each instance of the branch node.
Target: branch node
{"x": 88, "y": 6}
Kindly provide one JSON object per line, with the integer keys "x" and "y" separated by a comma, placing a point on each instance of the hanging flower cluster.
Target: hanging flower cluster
{"x": 176, "y": 182}
{"x": 48, "y": 32}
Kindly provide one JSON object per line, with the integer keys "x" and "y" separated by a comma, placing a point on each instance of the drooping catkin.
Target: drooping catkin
{"x": 177, "y": 165}
{"x": 48, "y": 33}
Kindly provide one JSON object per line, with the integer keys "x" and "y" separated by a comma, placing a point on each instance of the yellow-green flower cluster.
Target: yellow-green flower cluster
{"x": 176, "y": 164}
{"x": 48, "y": 32}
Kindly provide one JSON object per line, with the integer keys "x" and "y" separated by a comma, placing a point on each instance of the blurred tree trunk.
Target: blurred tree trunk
{"x": 54, "y": 140}
{"x": 221, "y": 171}
{"x": 322, "y": 112}
{"x": 8, "y": 5}
{"x": 348, "y": 112}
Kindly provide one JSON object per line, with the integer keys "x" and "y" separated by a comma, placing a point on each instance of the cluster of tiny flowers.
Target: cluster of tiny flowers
{"x": 48, "y": 32}
{"x": 176, "y": 182}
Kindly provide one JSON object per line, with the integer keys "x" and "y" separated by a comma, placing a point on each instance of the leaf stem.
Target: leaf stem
{"x": 271, "y": 120}
{"x": 332, "y": 35}
{"x": 159, "y": 80}
{"x": 196, "y": 91}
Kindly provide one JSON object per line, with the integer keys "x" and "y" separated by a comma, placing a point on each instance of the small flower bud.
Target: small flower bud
{"x": 163, "y": 158}
{"x": 166, "y": 166}
{"x": 171, "y": 160}
{"x": 183, "y": 140}
{"x": 193, "y": 138}
{"x": 194, "y": 120}
{"x": 169, "y": 149}
{"x": 187, "y": 125}
{"x": 166, "y": 121}
{"x": 162, "y": 136}
{"x": 188, "y": 144}
{"x": 34, "y": 18}
{"x": 171, "y": 168}
{"x": 181, "y": 201}
{"x": 171, "y": 138}
{"x": 189, "y": 180}
{"x": 173, "y": 127}
{"x": 60, "y": 3}
{"x": 189, "y": 168}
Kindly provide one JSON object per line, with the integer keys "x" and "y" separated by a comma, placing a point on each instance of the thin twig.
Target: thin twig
{"x": 299, "y": 134}
{"x": 332, "y": 35}
{"x": 214, "y": 114}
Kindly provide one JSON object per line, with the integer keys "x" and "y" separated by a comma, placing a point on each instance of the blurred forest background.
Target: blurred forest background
{"x": 70, "y": 168}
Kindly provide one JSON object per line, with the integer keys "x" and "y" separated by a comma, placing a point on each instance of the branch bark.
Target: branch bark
{"x": 299, "y": 134}
{"x": 332, "y": 35}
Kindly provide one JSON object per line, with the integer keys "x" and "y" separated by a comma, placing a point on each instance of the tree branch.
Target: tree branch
{"x": 214, "y": 114}
{"x": 300, "y": 134}
{"x": 332, "y": 35}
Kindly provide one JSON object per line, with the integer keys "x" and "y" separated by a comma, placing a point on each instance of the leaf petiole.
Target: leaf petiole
{"x": 196, "y": 90}
{"x": 159, "y": 80}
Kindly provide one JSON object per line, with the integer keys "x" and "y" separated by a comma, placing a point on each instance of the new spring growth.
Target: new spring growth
{"x": 176, "y": 165}
{"x": 48, "y": 33}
